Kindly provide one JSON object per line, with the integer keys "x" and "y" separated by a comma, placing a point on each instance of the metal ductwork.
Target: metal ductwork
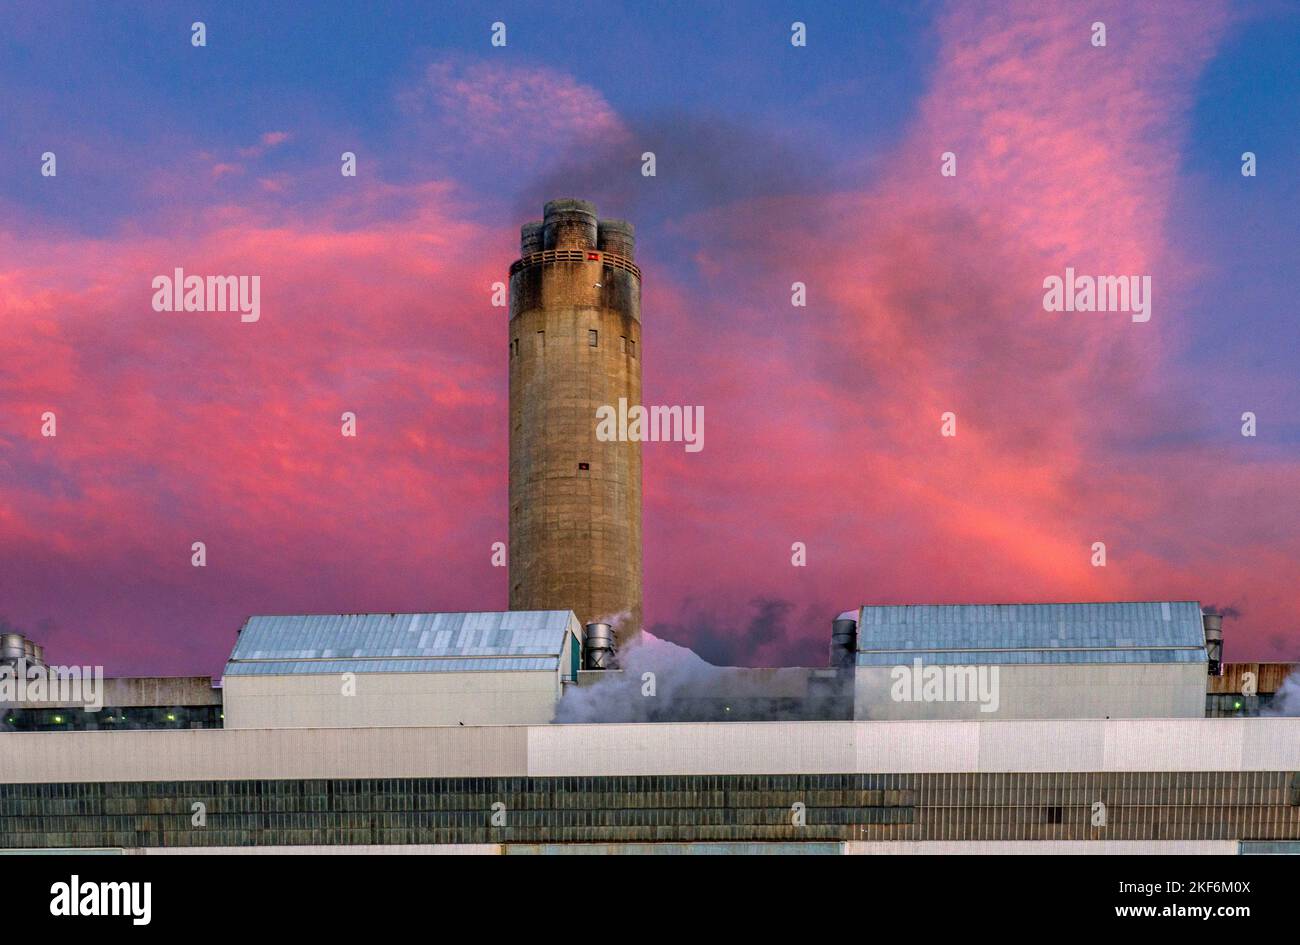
{"x": 844, "y": 641}
{"x": 599, "y": 649}
{"x": 11, "y": 647}
{"x": 1213, "y": 640}
{"x": 15, "y": 649}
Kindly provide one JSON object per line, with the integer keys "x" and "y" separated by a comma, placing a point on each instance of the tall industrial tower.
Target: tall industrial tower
{"x": 575, "y": 346}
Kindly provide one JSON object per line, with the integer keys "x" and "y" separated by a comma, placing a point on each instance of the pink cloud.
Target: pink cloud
{"x": 267, "y": 142}
{"x": 822, "y": 423}
{"x": 176, "y": 427}
{"x": 480, "y": 106}
{"x": 926, "y": 297}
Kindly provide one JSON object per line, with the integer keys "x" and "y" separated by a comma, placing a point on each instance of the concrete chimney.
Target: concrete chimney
{"x": 575, "y": 346}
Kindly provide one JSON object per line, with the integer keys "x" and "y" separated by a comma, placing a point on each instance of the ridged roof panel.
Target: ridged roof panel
{"x": 504, "y": 635}
{"x": 1100, "y": 632}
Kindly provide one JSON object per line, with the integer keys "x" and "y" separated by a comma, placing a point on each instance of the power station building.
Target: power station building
{"x": 575, "y": 346}
{"x": 366, "y": 670}
{"x": 434, "y": 733}
{"x": 1045, "y": 728}
{"x": 1128, "y": 660}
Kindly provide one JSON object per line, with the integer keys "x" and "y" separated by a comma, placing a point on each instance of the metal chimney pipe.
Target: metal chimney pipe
{"x": 11, "y": 647}
{"x": 1213, "y": 624}
{"x": 599, "y": 649}
{"x": 844, "y": 641}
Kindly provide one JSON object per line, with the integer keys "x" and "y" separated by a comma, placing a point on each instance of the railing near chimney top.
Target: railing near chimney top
{"x": 606, "y": 258}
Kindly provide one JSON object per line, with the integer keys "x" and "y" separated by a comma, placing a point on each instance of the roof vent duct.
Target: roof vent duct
{"x": 11, "y": 647}
{"x": 1213, "y": 640}
{"x": 598, "y": 649}
{"x": 844, "y": 641}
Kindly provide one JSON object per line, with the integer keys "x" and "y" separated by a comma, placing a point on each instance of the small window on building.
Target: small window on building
{"x": 541, "y": 339}
{"x": 631, "y": 347}
{"x": 1055, "y": 815}
{"x": 514, "y": 347}
{"x": 582, "y": 466}
{"x": 592, "y": 338}
{"x": 622, "y": 344}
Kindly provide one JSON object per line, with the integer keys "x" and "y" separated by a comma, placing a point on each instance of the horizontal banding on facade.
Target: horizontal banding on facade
{"x": 1025, "y": 806}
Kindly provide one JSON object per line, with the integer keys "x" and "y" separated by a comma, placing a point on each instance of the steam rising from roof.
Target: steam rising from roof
{"x": 660, "y": 681}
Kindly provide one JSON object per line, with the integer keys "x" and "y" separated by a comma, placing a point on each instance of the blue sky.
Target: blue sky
{"x": 775, "y": 163}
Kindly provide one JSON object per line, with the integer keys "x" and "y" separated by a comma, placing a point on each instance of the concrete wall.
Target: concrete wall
{"x": 127, "y": 691}
{"x": 1043, "y": 847}
{"x": 734, "y": 783}
{"x": 1267, "y": 677}
{"x": 223, "y": 754}
{"x": 851, "y": 847}
{"x": 906, "y": 747}
{"x": 660, "y": 748}
{"x": 382, "y": 699}
{"x": 1053, "y": 691}
{"x": 381, "y": 849}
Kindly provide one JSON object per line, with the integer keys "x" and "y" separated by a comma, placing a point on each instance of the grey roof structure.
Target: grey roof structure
{"x": 400, "y": 643}
{"x": 1148, "y": 632}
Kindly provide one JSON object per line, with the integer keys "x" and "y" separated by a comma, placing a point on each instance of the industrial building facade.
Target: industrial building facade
{"x": 834, "y": 786}
{"x": 400, "y": 669}
{"x": 1120, "y": 660}
{"x": 436, "y": 732}
{"x": 174, "y": 702}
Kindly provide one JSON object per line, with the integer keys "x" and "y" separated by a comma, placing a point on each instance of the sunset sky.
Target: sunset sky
{"x": 775, "y": 164}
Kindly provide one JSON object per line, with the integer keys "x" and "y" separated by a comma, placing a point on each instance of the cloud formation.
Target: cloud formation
{"x": 924, "y": 298}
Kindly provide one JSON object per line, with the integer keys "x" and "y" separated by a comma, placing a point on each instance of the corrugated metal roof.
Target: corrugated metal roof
{"x": 1147, "y": 632}
{"x": 329, "y": 643}
{"x": 435, "y": 665}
